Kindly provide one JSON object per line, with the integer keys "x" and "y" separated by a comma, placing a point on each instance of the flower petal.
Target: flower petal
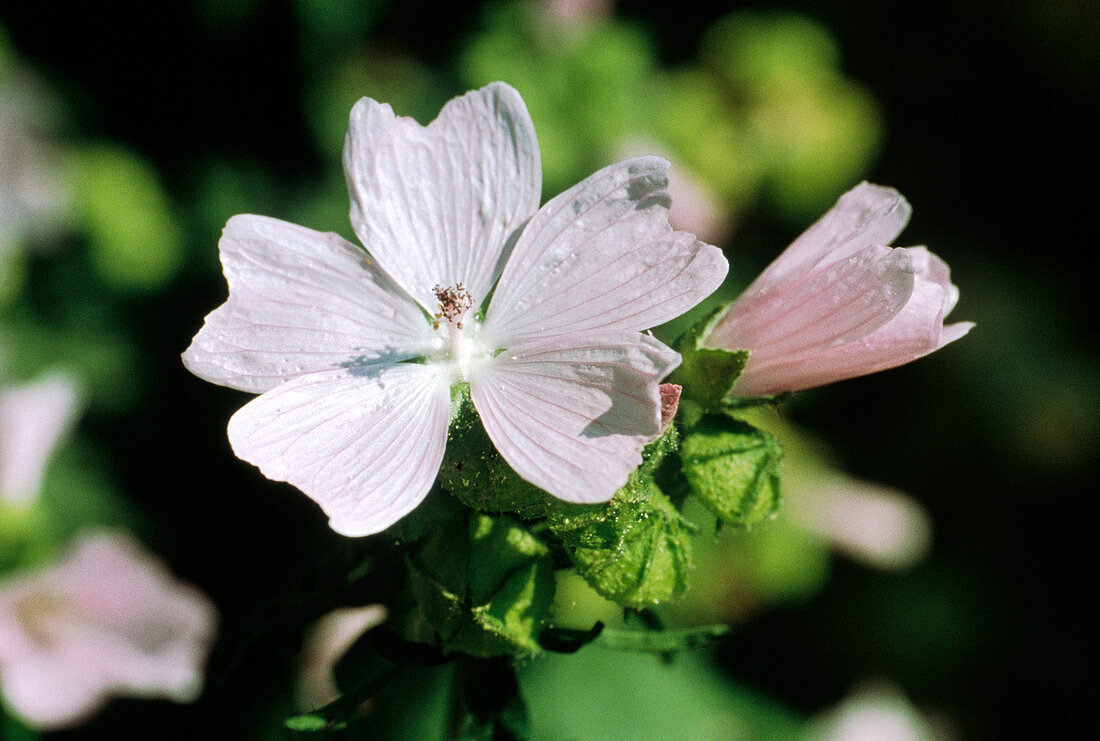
{"x": 299, "y": 301}
{"x": 437, "y": 204}
{"x": 108, "y": 620}
{"x": 602, "y": 257}
{"x": 864, "y": 216}
{"x": 832, "y": 305}
{"x": 364, "y": 442}
{"x": 33, "y": 420}
{"x": 916, "y": 331}
{"x": 572, "y": 414}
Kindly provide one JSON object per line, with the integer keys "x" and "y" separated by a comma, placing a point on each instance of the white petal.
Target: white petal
{"x": 33, "y": 419}
{"x": 437, "y": 204}
{"x": 572, "y": 414}
{"x": 299, "y": 301}
{"x": 365, "y": 443}
{"x": 864, "y": 216}
{"x": 602, "y": 257}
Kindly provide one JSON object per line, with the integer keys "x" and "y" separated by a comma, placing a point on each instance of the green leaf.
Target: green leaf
{"x": 733, "y": 468}
{"x": 311, "y": 723}
{"x": 485, "y": 583}
{"x": 707, "y": 373}
{"x": 477, "y": 476}
{"x": 635, "y": 550}
{"x": 661, "y": 641}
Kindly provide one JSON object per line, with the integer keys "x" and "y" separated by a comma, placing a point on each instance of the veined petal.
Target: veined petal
{"x": 299, "y": 301}
{"x": 832, "y": 305}
{"x": 602, "y": 257}
{"x": 864, "y": 216}
{"x": 437, "y": 204}
{"x": 571, "y": 414}
{"x": 916, "y": 331}
{"x": 364, "y": 442}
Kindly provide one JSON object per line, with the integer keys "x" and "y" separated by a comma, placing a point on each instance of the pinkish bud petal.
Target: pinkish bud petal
{"x": 109, "y": 620}
{"x": 838, "y": 303}
{"x": 670, "y": 402}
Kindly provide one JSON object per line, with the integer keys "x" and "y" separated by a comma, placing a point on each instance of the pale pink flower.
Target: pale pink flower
{"x": 872, "y": 523}
{"x": 355, "y": 355}
{"x": 876, "y": 712}
{"x": 325, "y": 645}
{"x": 108, "y": 620}
{"x": 34, "y": 418}
{"x": 839, "y": 302}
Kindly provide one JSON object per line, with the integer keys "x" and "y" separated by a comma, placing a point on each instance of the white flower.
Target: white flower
{"x": 108, "y": 620}
{"x": 355, "y": 355}
{"x": 34, "y": 417}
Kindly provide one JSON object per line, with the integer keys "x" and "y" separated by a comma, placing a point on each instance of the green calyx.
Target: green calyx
{"x": 636, "y": 548}
{"x": 707, "y": 373}
{"x": 733, "y": 468}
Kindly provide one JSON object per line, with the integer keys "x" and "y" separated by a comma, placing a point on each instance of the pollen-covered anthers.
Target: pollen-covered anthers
{"x": 454, "y": 302}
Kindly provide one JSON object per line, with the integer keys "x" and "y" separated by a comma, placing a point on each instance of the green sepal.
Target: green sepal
{"x": 707, "y": 373}
{"x": 733, "y": 468}
{"x": 634, "y": 550}
{"x": 485, "y": 583}
{"x": 475, "y": 473}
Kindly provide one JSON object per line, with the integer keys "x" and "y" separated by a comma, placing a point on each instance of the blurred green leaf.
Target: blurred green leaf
{"x": 135, "y": 239}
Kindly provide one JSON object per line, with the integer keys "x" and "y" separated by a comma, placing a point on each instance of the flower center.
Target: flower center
{"x": 454, "y": 302}
{"x": 461, "y": 349}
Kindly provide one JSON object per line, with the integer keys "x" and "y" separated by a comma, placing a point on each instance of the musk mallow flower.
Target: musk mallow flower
{"x": 107, "y": 620}
{"x": 839, "y": 302}
{"x": 465, "y": 280}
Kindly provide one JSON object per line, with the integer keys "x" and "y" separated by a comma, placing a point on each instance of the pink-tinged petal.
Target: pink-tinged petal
{"x": 33, "y": 419}
{"x": 107, "y": 621}
{"x": 670, "y": 402}
{"x": 602, "y": 257}
{"x": 874, "y": 524}
{"x": 916, "y": 331}
{"x": 299, "y": 301}
{"x": 864, "y": 216}
{"x": 572, "y": 414}
{"x": 831, "y": 305}
{"x": 437, "y": 204}
{"x": 364, "y": 442}
{"x": 325, "y": 645}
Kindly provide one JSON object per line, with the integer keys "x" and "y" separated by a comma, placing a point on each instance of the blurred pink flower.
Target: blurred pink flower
{"x": 557, "y": 366}
{"x": 108, "y": 620}
{"x": 325, "y": 645}
{"x": 34, "y": 417}
{"x": 695, "y": 208}
{"x": 839, "y": 303}
{"x": 871, "y": 523}
{"x": 875, "y": 712}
